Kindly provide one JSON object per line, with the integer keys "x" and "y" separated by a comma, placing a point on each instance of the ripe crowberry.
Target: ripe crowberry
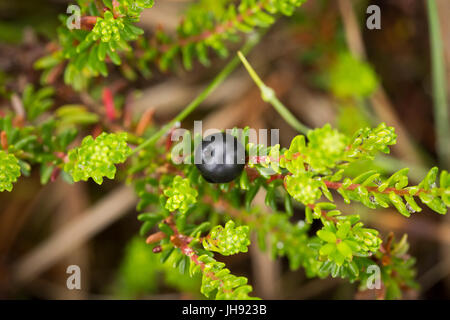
{"x": 220, "y": 158}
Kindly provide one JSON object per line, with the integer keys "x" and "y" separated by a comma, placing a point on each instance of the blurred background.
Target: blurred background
{"x": 323, "y": 63}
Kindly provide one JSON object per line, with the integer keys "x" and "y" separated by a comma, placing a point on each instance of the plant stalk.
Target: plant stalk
{"x": 439, "y": 85}
{"x": 268, "y": 95}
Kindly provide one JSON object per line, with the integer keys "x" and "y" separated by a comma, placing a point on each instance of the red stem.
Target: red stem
{"x": 190, "y": 253}
{"x": 88, "y": 22}
{"x": 182, "y": 242}
{"x": 116, "y": 5}
{"x": 155, "y": 237}
{"x": 55, "y": 174}
{"x": 4, "y": 140}
{"x": 337, "y": 185}
{"x": 108, "y": 101}
{"x": 145, "y": 121}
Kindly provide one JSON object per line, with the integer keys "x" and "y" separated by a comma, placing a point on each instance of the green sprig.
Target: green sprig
{"x": 9, "y": 171}
{"x": 229, "y": 240}
{"x": 96, "y": 158}
{"x": 180, "y": 195}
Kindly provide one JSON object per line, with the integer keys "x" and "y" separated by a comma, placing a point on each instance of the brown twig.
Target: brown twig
{"x": 76, "y": 232}
{"x": 145, "y": 121}
{"x": 155, "y": 237}
{"x": 108, "y": 102}
{"x": 127, "y": 111}
{"x": 88, "y": 22}
{"x": 4, "y": 140}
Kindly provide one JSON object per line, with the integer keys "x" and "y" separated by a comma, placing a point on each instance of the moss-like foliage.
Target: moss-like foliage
{"x": 9, "y": 171}
{"x": 96, "y": 158}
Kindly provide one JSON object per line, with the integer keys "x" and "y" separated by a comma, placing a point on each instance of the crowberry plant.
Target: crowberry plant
{"x": 96, "y": 158}
{"x": 191, "y": 213}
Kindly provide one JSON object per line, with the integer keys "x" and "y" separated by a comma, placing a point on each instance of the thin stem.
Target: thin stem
{"x": 439, "y": 85}
{"x": 226, "y": 71}
{"x": 268, "y": 95}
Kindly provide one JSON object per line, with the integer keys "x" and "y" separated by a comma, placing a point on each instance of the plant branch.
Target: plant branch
{"x": 354, "y": 186}
{"x": 181, "y": 242}
{"x": 219, "y": 29}
{"x": 268, "y": 95}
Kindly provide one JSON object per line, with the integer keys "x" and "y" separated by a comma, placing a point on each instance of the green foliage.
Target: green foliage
{"x": 73, "y": 115}
{"x": 217, "y": 281}
{"x": 36, "y": 102}
{"x": 38, "y": 144}
{"x": 107, "y": 28}
{"x": 311, "y": 171}
{"x": 303, "y": 189}
{"x": 95, "y": 158}
{"x": 367, "y": 142}
{"x": 208, "y": 24}
{"x": 229, "y": 240}
{"x": 343, "y": 247}
{"x": 133, "y": 8}
{"x": 111, "y": 34}
{"x": 180, "y": 195}
{"x": 375, "y": 192}
{"x": 280, "y": 237}
{"x": 325, "y": 147}
{"x": 350, "y": 77}
{"x": 397, "y": 269}
{"x": 9, "y": 171}
{"x": 343, "y": 241}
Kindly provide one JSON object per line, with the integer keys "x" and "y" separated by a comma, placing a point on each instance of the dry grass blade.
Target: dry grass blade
{"x": 85, "y": 226}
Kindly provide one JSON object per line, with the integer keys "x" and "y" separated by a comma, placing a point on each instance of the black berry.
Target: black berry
{"x": 220, "y": 158}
